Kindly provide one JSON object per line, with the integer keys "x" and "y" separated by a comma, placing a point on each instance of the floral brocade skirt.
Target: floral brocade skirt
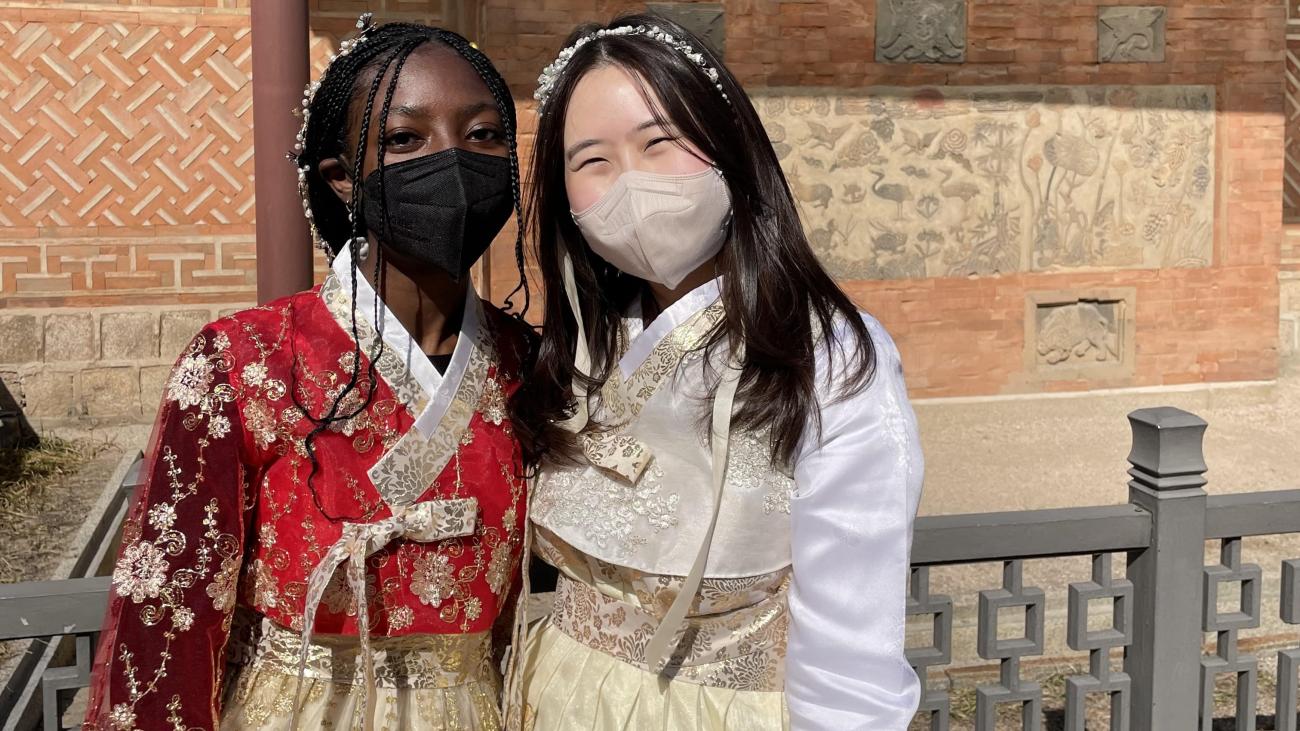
{"x": 427, "y": 682}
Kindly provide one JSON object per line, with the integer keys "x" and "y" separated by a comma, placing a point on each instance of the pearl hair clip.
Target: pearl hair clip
{"x": 365, "y": 24}
{"x": 552, "y": 73}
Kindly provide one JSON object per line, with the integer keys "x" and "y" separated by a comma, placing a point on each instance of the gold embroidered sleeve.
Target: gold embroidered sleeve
{"x": 161, "y": 655}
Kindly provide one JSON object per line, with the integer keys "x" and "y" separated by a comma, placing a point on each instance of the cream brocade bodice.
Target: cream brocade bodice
{"x": 655, "y": 523}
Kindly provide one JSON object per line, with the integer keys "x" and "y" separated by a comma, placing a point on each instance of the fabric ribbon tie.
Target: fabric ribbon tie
{"x": 657, "y": 651}
{"x": 425, "y": 522}
{"x": 581, "y": 354}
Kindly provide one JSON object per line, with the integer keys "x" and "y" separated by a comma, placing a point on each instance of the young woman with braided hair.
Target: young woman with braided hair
{"x": 332, "y": 516}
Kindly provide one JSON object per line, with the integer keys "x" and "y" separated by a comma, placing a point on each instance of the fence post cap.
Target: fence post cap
{"x": 1168, "y": 448}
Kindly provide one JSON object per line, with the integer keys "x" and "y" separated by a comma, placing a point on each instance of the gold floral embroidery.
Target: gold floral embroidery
{"x": 493, "y": 403}
{"x": 741, "y": 647}
{"x": 416, "y": 661}
{"x": 140, "y": 572}
{"x": 434, "y": 580}
{"x": 145, "y": 574}
{"x": 224, "y": 584}
{"x": 191, "y": 385}
{"x": 254, "y": 374}
{"x": 399, "y": 618}
{"x": 122, "y": 717}
{"x": 499, "y": 568}
{"x": 162, "y": 516}
{"x": 261, "y": 422}
{"x": 191, "y": 381}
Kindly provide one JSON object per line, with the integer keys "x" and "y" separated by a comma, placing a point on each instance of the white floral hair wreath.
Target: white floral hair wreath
{"x": 552, "y": 73}
{"x": 365, "y": 24}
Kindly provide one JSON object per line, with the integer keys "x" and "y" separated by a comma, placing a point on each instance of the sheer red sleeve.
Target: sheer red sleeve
{"x": 161, "y": 654}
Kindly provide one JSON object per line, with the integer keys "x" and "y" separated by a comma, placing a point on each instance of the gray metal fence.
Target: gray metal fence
{"x": 1160, "y": 609}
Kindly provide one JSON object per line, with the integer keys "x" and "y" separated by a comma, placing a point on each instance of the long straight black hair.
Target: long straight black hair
{"x": 776, "y": 295}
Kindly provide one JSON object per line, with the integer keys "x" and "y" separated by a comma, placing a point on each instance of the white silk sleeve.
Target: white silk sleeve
{"x": 858, "y": 485}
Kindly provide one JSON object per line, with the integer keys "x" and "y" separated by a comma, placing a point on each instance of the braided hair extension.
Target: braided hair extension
{"x": 505, "y": 102}
{"x": 342, "y": 224}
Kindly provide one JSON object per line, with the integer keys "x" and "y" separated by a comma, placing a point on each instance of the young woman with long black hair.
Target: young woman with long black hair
{"x": 736, "y": 464}
{"x": 334, "y": 498}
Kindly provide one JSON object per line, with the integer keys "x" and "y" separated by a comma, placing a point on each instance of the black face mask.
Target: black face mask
{"x": 444, "y": 209}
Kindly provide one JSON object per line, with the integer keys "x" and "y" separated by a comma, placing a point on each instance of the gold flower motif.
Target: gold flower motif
{"x": 399, "y": 618}
{"x": 218, "y": 426}
{"x": 191, "y": 380}
{"x": 473, "y": 608}
{"x": 140, "y": 572}
{"x": 254, "y": 374}
{"x": 183, "y": 619}
{"x": 122, "y": 717}
{"x": 162, "y": 516}
{"x": 492, "y": 405}
{"x": 224, "y": 583}
{"x": 261, "y": 421}
{"x": 498, "y": 570}
{"x": 433, "y": 580}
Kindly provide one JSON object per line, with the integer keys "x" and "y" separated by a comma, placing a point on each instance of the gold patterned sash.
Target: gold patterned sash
{"x": 411, "y": 662}
{"x": 741, "y": 648}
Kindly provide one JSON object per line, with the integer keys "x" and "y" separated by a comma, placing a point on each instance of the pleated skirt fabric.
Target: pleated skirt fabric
{"x": 569, "y": 686}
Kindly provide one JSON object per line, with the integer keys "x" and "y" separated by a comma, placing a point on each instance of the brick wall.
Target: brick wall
{"x": 126, "y": 201}
{"x": 125, "y": 151}
{"x": 963, "y": 336}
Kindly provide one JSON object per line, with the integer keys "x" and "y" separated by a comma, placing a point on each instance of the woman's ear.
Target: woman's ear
{"x": 336, "y": 174}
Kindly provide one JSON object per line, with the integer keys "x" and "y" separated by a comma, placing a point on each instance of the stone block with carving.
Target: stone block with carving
{"x": 1080, "y": 335}
{"x": 920, "y": 31}
{"x": 1131, "y": 34}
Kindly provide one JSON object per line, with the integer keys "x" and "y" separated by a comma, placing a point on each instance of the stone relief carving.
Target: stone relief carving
{"x": 907, "y": 183}
{"x": 1127, "y": 34}
{"x": 1079, "y": 334}
{"x": 1083, "y": 331}
{"x": 920, "y": 31}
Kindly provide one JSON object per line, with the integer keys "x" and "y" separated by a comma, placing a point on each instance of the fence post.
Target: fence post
{"x": 1168, "y": 471}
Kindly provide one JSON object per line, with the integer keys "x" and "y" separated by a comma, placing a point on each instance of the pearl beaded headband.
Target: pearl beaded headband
{"x": 552, "y": 73}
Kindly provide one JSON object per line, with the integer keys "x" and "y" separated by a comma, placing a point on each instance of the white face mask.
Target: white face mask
{"x": 659, "y": 227}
